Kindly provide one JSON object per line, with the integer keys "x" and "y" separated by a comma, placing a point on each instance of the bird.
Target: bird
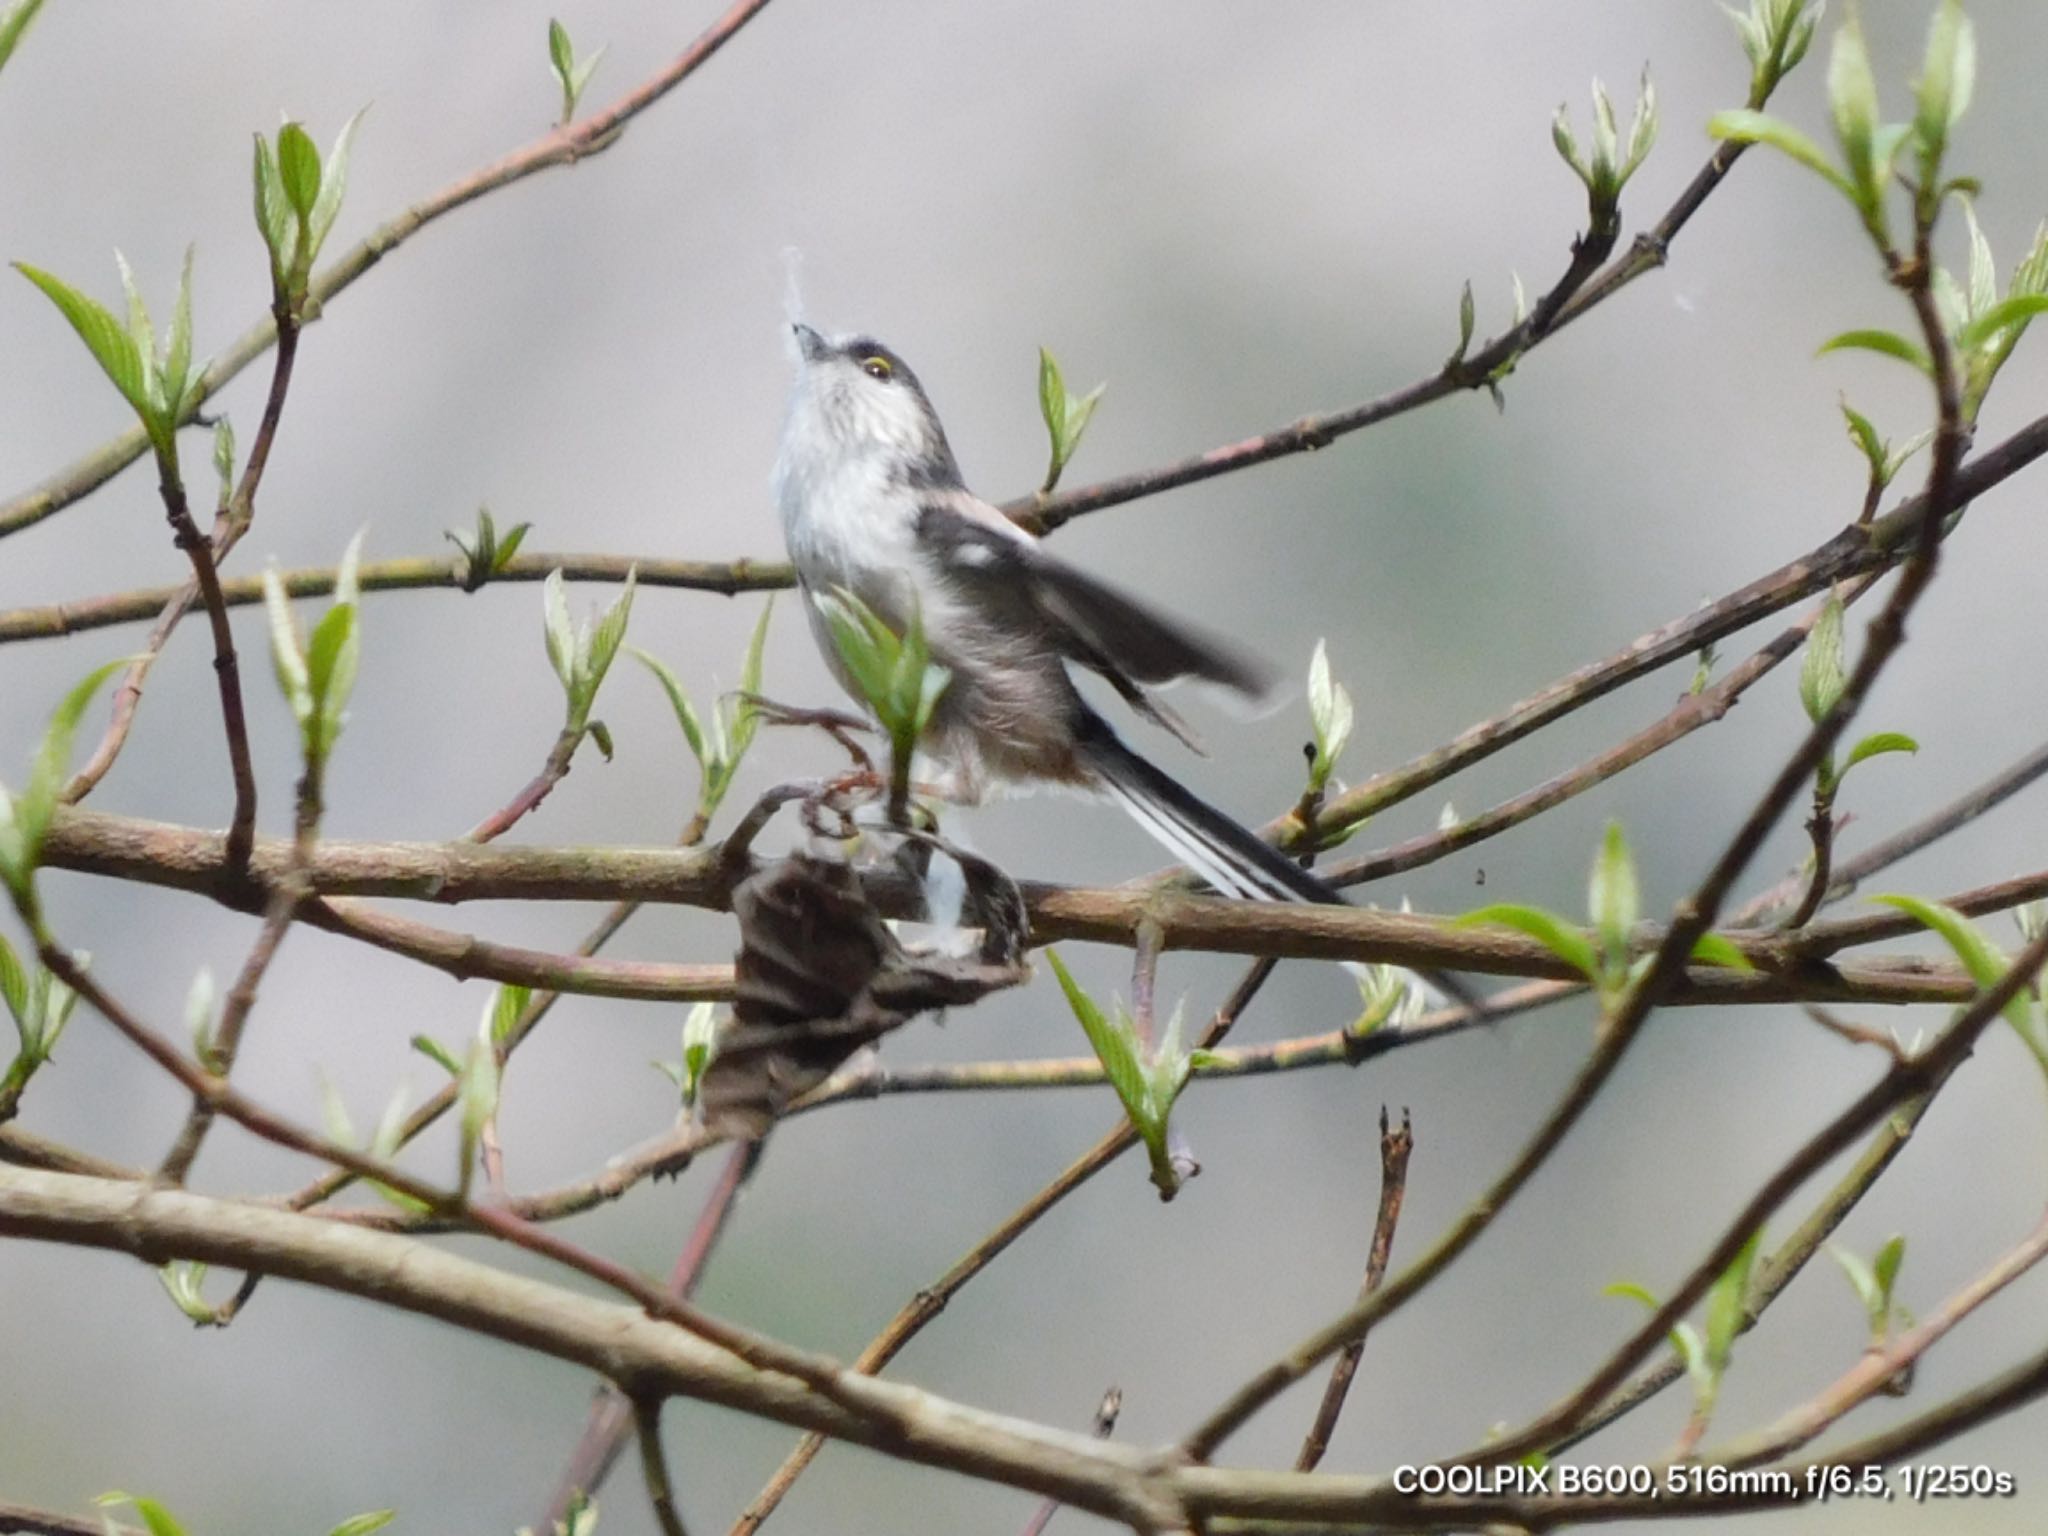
{"x": 873, "y": 503}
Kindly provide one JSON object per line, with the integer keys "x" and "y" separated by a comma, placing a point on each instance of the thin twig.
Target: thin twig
{"x": 1106, "y": 1415}
{"x": 1855, "y": 1034}
{"x": 1683, "y": 718}
{"x": 431, "y": 573}
{"x": 1395, "y": 1147}
{"x": 1954, "y": 816}
{"x": 1855, "y": 551}
{"x": 1578, "y": 291}
{"x": 537, "y": 789}
{"x": 26, "y": 1149}
{"x": 227, "y": 675}
{"x": 654, "y": 1466}
{"x": 225, "y": 1041}
{"x": 1149, "y": 940}
{"x": 21, "y": 1520}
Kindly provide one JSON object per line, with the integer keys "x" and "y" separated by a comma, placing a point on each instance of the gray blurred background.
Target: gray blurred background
{"x": 1234, "y": 214}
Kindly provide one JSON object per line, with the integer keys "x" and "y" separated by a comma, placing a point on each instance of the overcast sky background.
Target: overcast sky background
{"x": 1234, "y": 214}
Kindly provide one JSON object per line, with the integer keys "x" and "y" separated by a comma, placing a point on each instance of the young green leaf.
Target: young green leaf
{"x": 143, "y": 334}
{"x": 437, "y": 1053}
{"x": 1567, "y": 143}
{"x": 1878, "y": 743}
{"x": 1946, "y": 81}
{"x": 606, "y": 635}
{"x": 14, "y": 983}
{"x": 1065, "y": 415}
{"x": 1052, "y": 398}
{"x": 333, "y": 184}
{"x": 1115, "y": 1047}
{"x": 700, "y": 1045}
{"x": 177, "y": 364}
{"x": 1391, "y": 995}
{"x": 1556, "y": 934}
{"x": 298, "y": 166}
{"x": 334, "y": 1115}
{"x": 1642, "y": 129}
{"x": 183, "y": 1281}
{"x": 1719, "y": 949}
{"x": 1885, "y": 1267}
{"x": 685, "y": 713}
{"x": 1887, "y": 343}
{"x": 1983, "y": 269}
{"x": 224, "y": 457}
{"x": 1468, "y": 317}
{"x": 1683, "y": 1337}
{"x": 1985, "y": 962}
{"x": 563, "y": 653}
{"x": 1726, "y": 1303}
{"x": 13, "y": 25}
{"x": 894, "y": 673}
{"x": 330, "y": 670}
{"x": 476, "y": 1098}
{"x": 2004, "y": 315}
{"x": 1613, "y": 896}
{"x": 155, "y": 1517}
{"x": 1852, "y": 104}
{"x": 390, "y": 1131}
{"x": 1863, "y": 1281}
{"x": 1864, "y": 436}
{"x": 364, "y": 1524}
{"x": 110, "y": 343}
{"x": 746, "y": 718}
{"x": 508, "y": 546}
{"x": 1604, "y": 135}
{"x": 287, "y": 655}
{"x": 1775, "y": 36}
{"x": 508, "y": 1005}
{"x": 1145, "y": 1087}
{"x": 25, "y": 819}
{"x": 199, "y": 1004}
{"x": 1745, "y": 126}
{"x": 571, "y": 75}
{"x": 1821, "y": 677}
{"x": 1330, "y": 716}
{"x": 274, "y": 220}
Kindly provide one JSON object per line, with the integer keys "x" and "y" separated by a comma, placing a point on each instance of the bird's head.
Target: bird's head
{"x": 855, "y": 398}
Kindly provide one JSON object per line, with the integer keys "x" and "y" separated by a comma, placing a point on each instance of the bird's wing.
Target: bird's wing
{"x": 1085, "y": 619}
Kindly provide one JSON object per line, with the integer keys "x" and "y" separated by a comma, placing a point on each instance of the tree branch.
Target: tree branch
{"x": 156, "y": 853}
{"x": 428, "y": 573}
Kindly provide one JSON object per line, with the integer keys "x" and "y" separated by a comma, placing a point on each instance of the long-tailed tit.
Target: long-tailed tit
{"x": 872, "y": 501}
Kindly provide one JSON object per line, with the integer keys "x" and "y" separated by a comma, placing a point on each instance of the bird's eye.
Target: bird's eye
{"x": 877, "y": 368}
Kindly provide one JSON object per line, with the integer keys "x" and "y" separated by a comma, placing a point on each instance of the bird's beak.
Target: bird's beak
{"x": 809, "y": 342}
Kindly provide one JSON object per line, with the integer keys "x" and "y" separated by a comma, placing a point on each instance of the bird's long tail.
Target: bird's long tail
{"x": 1229, "y": 856}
